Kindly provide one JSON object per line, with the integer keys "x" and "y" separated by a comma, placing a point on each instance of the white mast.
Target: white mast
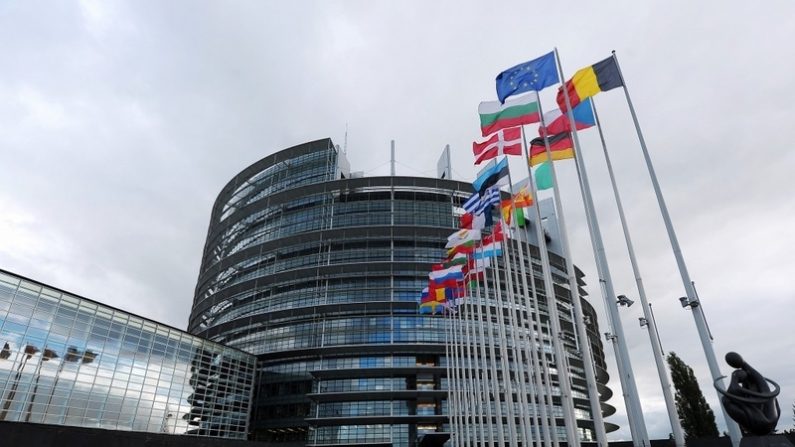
{"x": 673, "y": 416}
{"x": 629, "y": 388}
{"x": 692, "y": 299}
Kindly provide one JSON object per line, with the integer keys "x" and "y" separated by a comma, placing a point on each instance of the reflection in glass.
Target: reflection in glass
{"x": 67, "y": 360}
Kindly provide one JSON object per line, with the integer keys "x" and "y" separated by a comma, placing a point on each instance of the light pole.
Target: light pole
{"x": 650, "y": 323}
{"x": 48, "y": 354}
{"x": 29, "y": 352}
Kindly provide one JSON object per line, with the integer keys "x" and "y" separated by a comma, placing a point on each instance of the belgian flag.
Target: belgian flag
{"x": 586, "y": 82}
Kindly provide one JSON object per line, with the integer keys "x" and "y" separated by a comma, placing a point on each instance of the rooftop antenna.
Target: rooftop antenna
{"x": 392, "y": 161}
{"x": 345, "y": 143}
{"x": 443, "y": 167}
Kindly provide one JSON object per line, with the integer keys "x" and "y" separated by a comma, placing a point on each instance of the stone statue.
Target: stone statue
{"x": 749, "y": 400}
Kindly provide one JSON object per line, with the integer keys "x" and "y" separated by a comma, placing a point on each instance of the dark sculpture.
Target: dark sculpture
{"x": 749, "y": 400}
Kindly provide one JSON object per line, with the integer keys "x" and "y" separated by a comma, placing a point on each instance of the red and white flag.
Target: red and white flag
{"x": 503, "y": 142}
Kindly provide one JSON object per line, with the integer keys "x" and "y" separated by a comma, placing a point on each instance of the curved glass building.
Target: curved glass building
{"x": 317, "y": 272}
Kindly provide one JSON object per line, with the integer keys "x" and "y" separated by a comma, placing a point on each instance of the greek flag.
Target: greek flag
{"x": 472, "y": 204}
{"x": 490, "y": 198}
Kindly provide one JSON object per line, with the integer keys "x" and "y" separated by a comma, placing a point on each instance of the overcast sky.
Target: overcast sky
{"x": 120, "y": 123}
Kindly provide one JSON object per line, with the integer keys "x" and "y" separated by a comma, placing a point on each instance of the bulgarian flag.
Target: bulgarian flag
{"x": 586, "y": 82}
{"x": 517, "y": 110}
{"x": 560, "y": 146}
{"x": 503, "y": 142}
{"x": 457, "y": 259}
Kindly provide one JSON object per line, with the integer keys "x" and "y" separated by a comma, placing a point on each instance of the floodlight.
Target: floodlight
{"x": 624, "y": 301}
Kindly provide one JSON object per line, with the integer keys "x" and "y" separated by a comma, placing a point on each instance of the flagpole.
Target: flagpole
{"x": 475, "y": 402}
{"x": 541, "y": 242}
{"x": 574, "y": 290}
{"x": 539, "y": 396}
{"x": 511, "y": 273}
{"x": 460, "y": 403}
{"x": 539, "y": 361}
{"x": 518, "y": 370}
{"x": 448, "y": 369}
{"x": 493, "y": 354}
{"x": 698, "y": 316}
{"x": 632, "y": 401}
{"x": 477, "y": 361}
{"x": 511, "y": 276}
{"x": 464, "y": 400}
{"x": 525, "y": 347}
{"x": 453, "y": 380}
{"x": 527, "y": 358}
{"x": 456, "y": 385}
{"x": 651, "y": 325}
{"x": 556, "y": 335}
{"x": 528, "y": 343}
{"x": 506, "y": 376}
{"x": 460, "y": 386}
{"x": 484, "y": 372}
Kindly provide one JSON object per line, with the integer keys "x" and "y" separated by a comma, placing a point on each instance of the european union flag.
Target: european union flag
{"x": 534, "y": 75}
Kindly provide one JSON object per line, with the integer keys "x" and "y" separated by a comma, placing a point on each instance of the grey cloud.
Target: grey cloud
{"x": 120, "y": 122}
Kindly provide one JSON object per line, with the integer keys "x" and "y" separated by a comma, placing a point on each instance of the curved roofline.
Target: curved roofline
{"x": 331, "y": 186}
{"x": 113, "y": 308}
{"x": 270, "y": 160}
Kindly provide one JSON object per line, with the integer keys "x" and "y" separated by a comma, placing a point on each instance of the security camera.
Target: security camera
{"x": 622, "y": 300}
{"x": 685, "y": 301}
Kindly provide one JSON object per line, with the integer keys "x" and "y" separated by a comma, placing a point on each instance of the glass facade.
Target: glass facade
{"x": 68, "y": 360}
{"x": 318, "y": 273}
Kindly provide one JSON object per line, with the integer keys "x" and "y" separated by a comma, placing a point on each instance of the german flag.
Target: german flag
{"x": 599, "y": 77}
{"x": 560, "y": 146}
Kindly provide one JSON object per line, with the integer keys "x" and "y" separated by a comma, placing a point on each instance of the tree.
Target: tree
{"x": 697, "y": 418}
{"x": 791, "y": 431}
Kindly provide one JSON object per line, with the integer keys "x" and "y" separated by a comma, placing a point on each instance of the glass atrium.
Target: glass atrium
{"x": 68, "y": 360}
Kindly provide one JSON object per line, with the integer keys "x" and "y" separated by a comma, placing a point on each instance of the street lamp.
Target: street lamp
{"x": 48, "y": 354}
{"x": 29, "y": 352}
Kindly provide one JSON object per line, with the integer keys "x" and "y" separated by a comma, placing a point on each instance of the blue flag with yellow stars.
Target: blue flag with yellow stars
{"x": 534, "y": 75}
